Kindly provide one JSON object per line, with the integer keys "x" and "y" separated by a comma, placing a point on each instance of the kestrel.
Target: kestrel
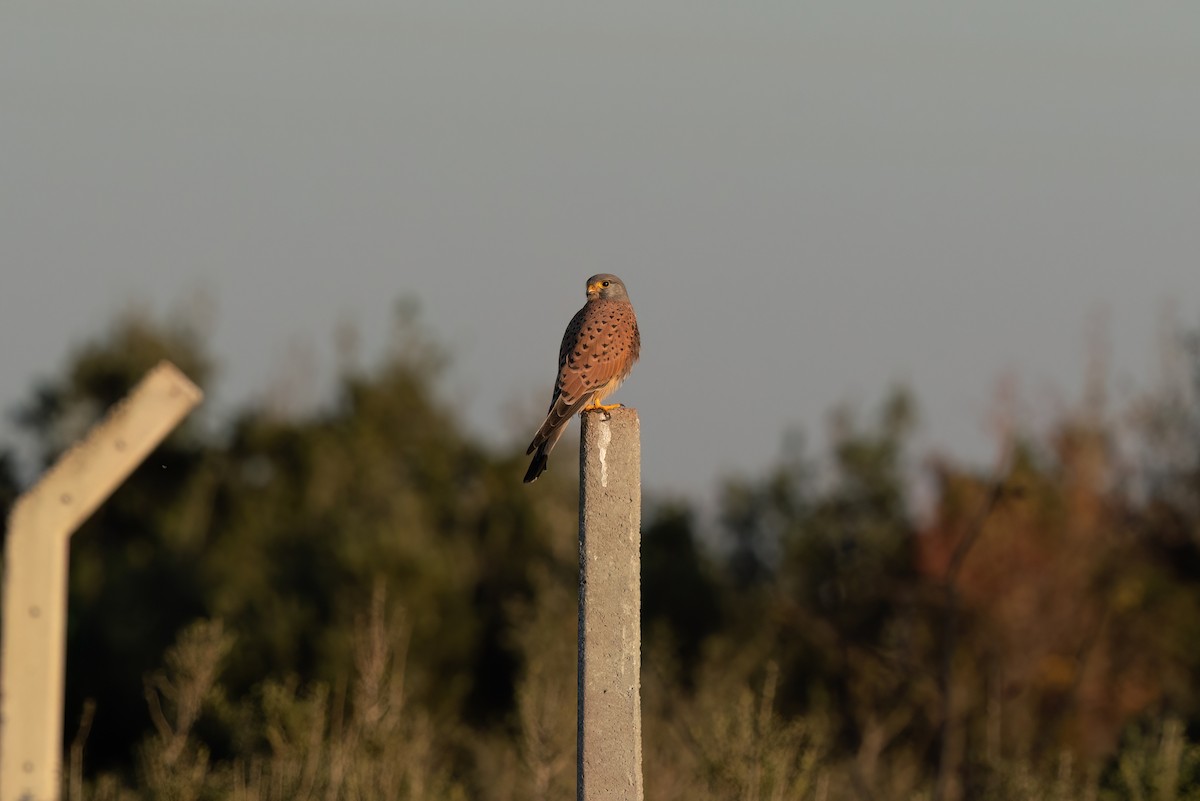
{"x": 598, "y": 351}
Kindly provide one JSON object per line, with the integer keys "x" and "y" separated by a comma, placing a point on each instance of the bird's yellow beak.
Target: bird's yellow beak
{"x": 593, "y": 288}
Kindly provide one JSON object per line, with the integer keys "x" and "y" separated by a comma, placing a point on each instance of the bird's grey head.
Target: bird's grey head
{"x": 607, "y": 286}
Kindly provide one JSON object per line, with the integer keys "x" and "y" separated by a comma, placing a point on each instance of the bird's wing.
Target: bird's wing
{"x": 562, "y": 408}
{"x": 602, "y": 349}
{"x": 599, "y": 346}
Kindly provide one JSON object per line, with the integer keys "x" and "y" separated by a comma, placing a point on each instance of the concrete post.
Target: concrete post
{"x": 40, "y": 526}
{"x": 610, "y": 641}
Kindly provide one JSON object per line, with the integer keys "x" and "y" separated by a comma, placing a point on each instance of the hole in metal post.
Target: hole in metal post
{"x": 35, "y": 611}
{"x": 65, "y": 498}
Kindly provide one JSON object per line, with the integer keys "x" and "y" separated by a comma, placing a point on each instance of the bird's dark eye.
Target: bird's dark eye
{"x": 604, "y": 283}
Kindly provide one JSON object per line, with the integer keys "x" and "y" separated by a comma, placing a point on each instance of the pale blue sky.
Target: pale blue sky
{"x": 808, "y": 202}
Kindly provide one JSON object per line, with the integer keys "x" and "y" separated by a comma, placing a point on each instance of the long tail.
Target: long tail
{"x": 542, "y": 455}
{"x": 538, "y": 466}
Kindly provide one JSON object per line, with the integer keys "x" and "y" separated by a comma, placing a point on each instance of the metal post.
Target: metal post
{"x": 35, "y": 575}
{"x": 610, "y": 641}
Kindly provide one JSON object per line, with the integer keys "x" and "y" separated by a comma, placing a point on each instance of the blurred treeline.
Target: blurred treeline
{"x": 365, "y": 602}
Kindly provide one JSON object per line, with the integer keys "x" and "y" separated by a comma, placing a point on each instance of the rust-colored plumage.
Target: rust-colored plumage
{"x": 598, "y": 351}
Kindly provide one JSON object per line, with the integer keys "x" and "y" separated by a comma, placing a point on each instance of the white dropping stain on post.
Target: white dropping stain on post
{"x": 605, "y": 438}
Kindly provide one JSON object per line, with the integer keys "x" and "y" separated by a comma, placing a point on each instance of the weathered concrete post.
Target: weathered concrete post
{"x": 610, "y": 640}
{"x": 32, "y": 650}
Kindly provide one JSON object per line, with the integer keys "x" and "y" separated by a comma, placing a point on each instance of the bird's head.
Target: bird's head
{"x": 606, "y": 286}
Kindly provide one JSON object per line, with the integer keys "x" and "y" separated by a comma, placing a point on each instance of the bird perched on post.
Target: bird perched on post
{"x": 598, "y": 351}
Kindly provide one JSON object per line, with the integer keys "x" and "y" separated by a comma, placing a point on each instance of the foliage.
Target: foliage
{"x": 362, "y": 602}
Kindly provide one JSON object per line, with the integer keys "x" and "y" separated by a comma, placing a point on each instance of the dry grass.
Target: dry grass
{"x": 725, "y": 740}
{"x": 320, "y": 744}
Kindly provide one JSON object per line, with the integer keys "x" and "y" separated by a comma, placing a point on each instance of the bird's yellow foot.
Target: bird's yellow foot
{"x": 601, "y": 407}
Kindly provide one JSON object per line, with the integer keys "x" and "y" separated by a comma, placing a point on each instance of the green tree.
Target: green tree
{"x": 681, "y": 594}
